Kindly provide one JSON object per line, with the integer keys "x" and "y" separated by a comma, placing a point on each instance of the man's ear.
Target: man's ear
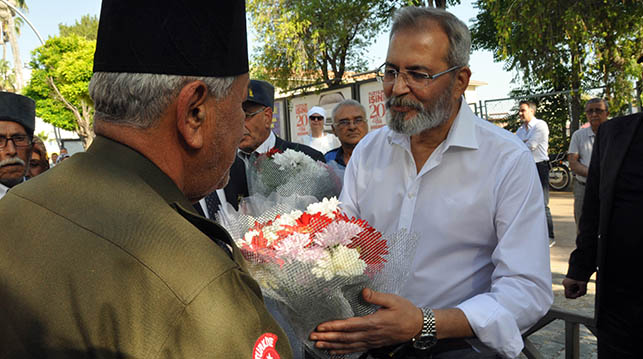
{"x": 267, "y": 112}
{"x": 191, "y": 113}
{"x": 462, "y": 81}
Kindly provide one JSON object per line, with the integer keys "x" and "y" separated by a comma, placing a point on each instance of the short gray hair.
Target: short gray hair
{"x": 139, "y": 100}
{"x": 457, "y": 32}
{"x": 597, "y": 100}
{"x": 348, "y": 102}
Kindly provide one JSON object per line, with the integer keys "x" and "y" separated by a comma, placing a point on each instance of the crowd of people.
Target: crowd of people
{"x": 128, "y": 260}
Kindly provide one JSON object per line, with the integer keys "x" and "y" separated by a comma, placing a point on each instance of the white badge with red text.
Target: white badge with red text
{"x": 265, "y": 347}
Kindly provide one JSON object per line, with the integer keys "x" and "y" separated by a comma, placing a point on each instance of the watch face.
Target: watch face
{"x": 425, "y": 342}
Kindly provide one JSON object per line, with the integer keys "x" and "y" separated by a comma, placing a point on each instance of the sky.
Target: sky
{"x": 47, "y": 14}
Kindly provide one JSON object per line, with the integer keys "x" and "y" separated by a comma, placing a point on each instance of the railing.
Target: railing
{"x": 572, "y": 331}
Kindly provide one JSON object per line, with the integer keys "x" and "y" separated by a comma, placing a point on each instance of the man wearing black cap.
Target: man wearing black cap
{"x": 610, "y": 240}
{"x": 120, "y": 264}
{"x": 17, "y": 122}
{"x": 257, "y": 138}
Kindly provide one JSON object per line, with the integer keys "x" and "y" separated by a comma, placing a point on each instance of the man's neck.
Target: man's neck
{"x": 424, "y": 143}
{"x": 348, "y": 151}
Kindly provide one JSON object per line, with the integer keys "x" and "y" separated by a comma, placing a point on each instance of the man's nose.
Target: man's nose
{"x": 399, "y": 85}
{"x": 9, "y": 149}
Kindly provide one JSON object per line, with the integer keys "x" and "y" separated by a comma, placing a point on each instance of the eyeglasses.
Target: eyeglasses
{"x": 417, "y": 79}
{"x": 18, "y": 141}
{"x": 597, "y": 111}
{"x": 251, "y": 114}
{"x": 344, "y": 123}
{"x": 316, "y": 118}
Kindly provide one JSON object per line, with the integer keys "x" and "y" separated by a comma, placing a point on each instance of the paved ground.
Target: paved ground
{"x": 550, "y": 340}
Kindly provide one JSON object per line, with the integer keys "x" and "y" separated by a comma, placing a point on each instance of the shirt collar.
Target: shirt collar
{"x": 137, "y": 164}
{"x": 266, "y": 146}
{"x": 3, "y": 190}
{"x": 461, "y": 134}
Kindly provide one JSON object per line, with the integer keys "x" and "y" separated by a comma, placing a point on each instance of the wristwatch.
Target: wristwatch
{"x": 428, "y": 336}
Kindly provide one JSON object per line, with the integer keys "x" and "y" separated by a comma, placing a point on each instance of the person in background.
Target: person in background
{"x": 54, "y": 159}
{"x": 318, "y": 139}
{"x": 39, "y": 162}
{"x": 580, "y": 150}
{"x": 350, "y": 126}
{"x": 17, "y": 123}
{"x": 534, "y": 133}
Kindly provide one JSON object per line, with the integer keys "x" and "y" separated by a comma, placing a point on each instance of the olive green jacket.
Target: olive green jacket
{"x": 103, "y": 256}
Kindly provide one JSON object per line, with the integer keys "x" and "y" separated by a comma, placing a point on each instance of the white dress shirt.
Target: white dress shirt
{"x": 322, "y": 144}
{"x": 535, "y": 135}
{"x": 582, "y": 144}
{"x": 477, "y": 205}
{"x": 3, "y": 190}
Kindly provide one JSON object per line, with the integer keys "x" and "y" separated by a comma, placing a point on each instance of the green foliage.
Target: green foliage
{"x": 87, "y": 27}
{"x": 317, "y": 40}
{"x": 566, "y": 45}
{"x": 68, "y": 61}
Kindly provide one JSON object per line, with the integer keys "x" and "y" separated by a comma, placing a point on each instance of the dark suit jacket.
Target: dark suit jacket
{"x": 104, "y": 252}
{"x": 237, "y": 187}
{"x": 610, "y": 147}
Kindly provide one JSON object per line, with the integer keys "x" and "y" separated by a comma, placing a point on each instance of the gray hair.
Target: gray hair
{"x": 456, "y": 30}
{"x": 139, "y": 99}
{"x": 597, "y": 100}
{"x": 348, "y": 102}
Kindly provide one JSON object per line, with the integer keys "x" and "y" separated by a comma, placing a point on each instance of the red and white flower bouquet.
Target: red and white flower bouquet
{"x": 315, "y": 263}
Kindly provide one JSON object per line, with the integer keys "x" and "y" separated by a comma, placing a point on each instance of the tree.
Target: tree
{"x": 10, "y": 30}
{"x": 564, "y": 45}
{"x": 317, "y": 40}
{"x": 62, "y": 68}
{"x": 87, "y": 27}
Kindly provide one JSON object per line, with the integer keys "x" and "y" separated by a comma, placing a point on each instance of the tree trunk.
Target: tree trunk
{"x": 85, "y": 130}
{"x": 576, "y": 83}
{"x": 15, "y": 49}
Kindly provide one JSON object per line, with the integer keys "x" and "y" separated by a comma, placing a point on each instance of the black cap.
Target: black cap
{"x": 18, "y": 108}
{"x": 173, "y": 37}
{"x": 261, "y": 92}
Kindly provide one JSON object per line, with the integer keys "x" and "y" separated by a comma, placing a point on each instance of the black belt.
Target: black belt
{"x": 407, "y": 351}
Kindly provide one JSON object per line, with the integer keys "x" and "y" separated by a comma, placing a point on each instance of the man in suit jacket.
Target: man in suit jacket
{"x": 610, "y": 240}
{"x": 257, "y": 138}
{"x": 118, "y": 262}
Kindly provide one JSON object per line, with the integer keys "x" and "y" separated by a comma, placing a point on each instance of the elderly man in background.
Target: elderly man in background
{"x": 257, "y": 138}
{"x": 350, "y": 126}
{"x": 128, "y": 269}
{"x": 318, "y": 139}
{"x": 580, "y": 150}
{"x": 467, "y": 188}
{"x": 39, "y": 162}
{"x": 17, "y": 123}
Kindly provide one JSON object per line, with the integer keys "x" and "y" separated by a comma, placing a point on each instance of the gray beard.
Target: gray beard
{"x": 437, "y": 113}
{"x": 10, "y": 182}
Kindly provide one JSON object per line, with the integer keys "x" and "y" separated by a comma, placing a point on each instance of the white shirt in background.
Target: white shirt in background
{"x": 322, "y": 144}
{"x": 535, "y": 135}
{"x": 582, "y": 144}
{"x": 477, "y": 206}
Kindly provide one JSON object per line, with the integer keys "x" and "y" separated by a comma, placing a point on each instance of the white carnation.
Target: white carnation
{"x": 291, "y": 159}
{"x": 326, "y": 207}
{"x": 343, "y": 261}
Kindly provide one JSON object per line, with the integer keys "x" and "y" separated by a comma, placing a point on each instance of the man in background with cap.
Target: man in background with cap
{"x": 17, "y": 123}
{"x": 257, "y": 138}
{"x": 318, "y": 139}
{"x": 610, "y": 240}
{"x": 120, "y": 264}
{"x": 39, "y": 162}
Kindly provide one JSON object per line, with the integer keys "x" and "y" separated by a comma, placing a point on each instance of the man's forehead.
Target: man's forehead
{"x": 418, "y": 48}
{"x": 348, "y": 111}
{"x": 599, "y": 105}
{"x": 10, "y": 127}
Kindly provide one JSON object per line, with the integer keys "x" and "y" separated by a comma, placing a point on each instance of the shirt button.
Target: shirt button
{"x": 411, "y": 194}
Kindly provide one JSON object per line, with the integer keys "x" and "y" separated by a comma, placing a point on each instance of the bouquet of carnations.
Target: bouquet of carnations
{"x": 315, "y": 263}
{"x": 291, "y": 172}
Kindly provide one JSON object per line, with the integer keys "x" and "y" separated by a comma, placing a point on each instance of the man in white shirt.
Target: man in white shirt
{"x": 480, "y": 275}
{"x": 535, "y": 134}
{"x": 17, "y": 123}
{"x": 580, "y": 150}
{"x": 318, "y": 139}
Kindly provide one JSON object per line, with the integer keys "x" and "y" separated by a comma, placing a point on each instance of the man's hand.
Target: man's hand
{"x": 397, "y": 321}
{"x": 574, "y": 288}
